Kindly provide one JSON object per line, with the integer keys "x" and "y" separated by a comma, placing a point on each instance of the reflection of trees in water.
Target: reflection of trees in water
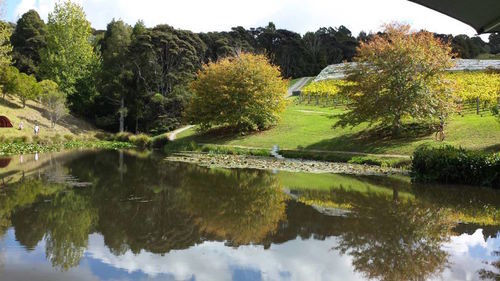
{"x": 138, "y": 208}
{"x": 19, "y": 195}
{"x": 159, "y": 206}
{"x": 468, "y": 204}
{"x": 69, "y": 219}
{"x": 393, "y": 240}
{"x": 65, "y": 222}
{"x": 236, "y": 205}
{"x": 489, "y": 274}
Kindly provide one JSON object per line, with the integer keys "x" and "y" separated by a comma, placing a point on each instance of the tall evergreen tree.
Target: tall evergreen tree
{"x": 116, "y": 75}
{"x": 27, "y": 40}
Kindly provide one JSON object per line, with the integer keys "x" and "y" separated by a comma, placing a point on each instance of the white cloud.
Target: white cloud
{"x": 294, "y": 260}
{"x": 296, "y": 15}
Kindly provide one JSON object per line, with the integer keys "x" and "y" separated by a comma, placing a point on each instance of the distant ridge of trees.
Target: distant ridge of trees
{"x": 136, "y": 78}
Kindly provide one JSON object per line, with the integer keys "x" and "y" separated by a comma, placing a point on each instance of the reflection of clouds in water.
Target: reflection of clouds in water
{"x": 468, "y": 254}
{"x": 21, "y": 266}
{"x": 293, "y": 260}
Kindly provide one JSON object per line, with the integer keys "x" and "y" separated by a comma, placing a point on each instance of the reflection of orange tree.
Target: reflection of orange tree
{"x": 490, "y": 274}
{"x": 395, "y": 240}
{"x": 240, "y": 206}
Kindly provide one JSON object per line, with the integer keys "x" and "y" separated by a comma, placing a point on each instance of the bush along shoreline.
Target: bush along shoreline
{"x": 450, "y": 165}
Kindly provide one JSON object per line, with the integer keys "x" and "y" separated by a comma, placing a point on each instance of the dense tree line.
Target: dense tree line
{"x": 136, "y": 78}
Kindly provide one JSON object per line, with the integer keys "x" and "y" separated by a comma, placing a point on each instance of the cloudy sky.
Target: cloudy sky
{"x": 219, "y": 15}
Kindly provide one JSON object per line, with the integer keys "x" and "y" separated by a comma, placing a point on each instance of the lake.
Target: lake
{"x": 110, "y": 215}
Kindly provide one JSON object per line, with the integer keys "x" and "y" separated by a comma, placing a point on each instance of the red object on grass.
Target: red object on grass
{"x": 5, "y": 122}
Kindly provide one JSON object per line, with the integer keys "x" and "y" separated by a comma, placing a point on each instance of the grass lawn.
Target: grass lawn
{"x": 34, "y": 113}
{"x": 293, "y": 82}
{"x": 311, "y": 128}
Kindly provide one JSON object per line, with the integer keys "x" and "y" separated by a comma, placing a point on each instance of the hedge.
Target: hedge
{"x": 450, "y": 165}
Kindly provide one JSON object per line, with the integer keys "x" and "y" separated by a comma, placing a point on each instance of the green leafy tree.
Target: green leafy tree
{"x": 69, "y": 55}
{"x": 164, "y": 61}
{"x": 117, "y": 72}
{"x": 8, "y": 80}
{"x": 54, "y": 100}
{"x": 27, "y": 88}
{"x": 18, "y": 84}
{"x": 27, "y": 40}
{"x": 5, "y": 47}
{"x": 398, "y": 74}
{"x": 244, "y": 92}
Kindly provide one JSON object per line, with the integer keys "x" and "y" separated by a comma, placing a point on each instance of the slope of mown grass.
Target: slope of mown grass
{"x": 34, "y": 113}
{"x": 311, "y": 127}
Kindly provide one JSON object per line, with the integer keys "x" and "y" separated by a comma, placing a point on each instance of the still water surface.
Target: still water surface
{"x": 128, "y": 216}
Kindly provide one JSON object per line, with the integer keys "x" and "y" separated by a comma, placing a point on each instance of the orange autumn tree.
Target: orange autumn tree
{"x": 398, "y": 74}
{"x": 244, "y": 92}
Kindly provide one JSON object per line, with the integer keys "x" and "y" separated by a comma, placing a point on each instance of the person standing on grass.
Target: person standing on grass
{"x": 36, "y": 129}
{"x": 21, "y": 126}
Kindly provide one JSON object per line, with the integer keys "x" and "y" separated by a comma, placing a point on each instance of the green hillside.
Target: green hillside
{"x": 34, "y": 113}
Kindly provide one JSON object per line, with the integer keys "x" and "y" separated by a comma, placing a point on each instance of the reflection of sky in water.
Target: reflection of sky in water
{"x": 294, "y": 260}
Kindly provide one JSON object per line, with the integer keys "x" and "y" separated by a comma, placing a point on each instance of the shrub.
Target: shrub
{"x": 244, "y": 92}
{"x": 140, "y": 141}
{"x": 56, "y": 139}
{"x": 160, "y": 141}
{"x": 21, "y": 139}
{"x": 68, "y": 137}
{"x": 452, "y": 165}
{"x": 178, "y": 146}
{"x": 123, "y": 137}
{"x": 104, "y": 136}
{"x": 494, "y": 110}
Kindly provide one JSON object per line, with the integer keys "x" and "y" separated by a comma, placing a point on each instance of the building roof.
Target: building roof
{"x": 336, "y": 71}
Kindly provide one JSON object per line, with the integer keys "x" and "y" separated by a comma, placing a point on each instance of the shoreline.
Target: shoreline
{"x": 16, "y": 148}
{"x": 290, "y": 165}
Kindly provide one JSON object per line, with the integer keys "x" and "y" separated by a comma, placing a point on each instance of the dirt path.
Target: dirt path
{"x": 297, "y": 86}
{"x": 173, "y": 135}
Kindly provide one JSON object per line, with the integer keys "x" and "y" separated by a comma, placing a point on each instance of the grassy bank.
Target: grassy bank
{"x": 69, "y": 133}
{"x": 309, "y": 128}
{"x": 32, "y": 114}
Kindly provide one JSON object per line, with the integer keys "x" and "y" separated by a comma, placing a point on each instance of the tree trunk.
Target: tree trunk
{"x": 396, "y": 126}
{"x": 477, "y": 105}
{"x": 137, "y": 125}
{"x": 122, "y": 115}
{"x": 395, "y": 194}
